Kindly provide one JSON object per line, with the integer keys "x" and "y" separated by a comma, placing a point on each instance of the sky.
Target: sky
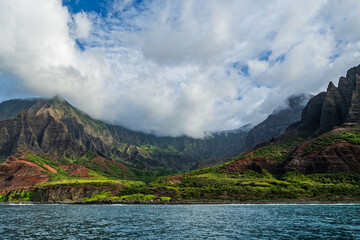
{"x": 176, "y": 67}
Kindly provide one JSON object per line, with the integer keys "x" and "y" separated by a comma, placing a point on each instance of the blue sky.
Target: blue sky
{"x": 176, "y": 67}
{"x": 75, "y": 6}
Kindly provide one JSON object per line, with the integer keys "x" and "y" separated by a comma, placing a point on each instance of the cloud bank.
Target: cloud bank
{"x": 177, "y": 67}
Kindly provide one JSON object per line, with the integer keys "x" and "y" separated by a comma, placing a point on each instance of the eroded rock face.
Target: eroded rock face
{"x": 332, "y": 108}
{"x": 41, "y": 129}
{"x": 40, "y": 133}
{"x": 17, "y": 174}
{"x": 63, "y": 193}
{"x": 330, "y": 111}
{"x": 255, "y": 164}
{"x": 341, "y": 157}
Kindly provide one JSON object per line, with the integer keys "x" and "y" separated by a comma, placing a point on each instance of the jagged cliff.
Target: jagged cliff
{"x": 332, "y": 108}
{"x": 44, "y": 128}
{"x": 325, "y": 140}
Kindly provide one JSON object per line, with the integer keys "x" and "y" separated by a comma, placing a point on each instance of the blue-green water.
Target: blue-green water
{"x": 180, "y": 222}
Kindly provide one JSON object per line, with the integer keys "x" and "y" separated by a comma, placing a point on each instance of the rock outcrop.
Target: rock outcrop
{"x": 332, "y": 108}
{"x": 41, "y": 129}
{"x": 341, "y": 157}
{"x": 66, "y": 193}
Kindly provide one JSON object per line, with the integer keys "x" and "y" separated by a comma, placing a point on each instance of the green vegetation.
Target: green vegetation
{"x": 96, "y": 197}
{"x": 213, "y": 184}
{"x": 280, "y": 152}
{"x": 39, "y": 159}
{"x": 138, "y": 197}
{"x": 321, "y": 143}
{"x": 75, "y": 182}
{"x": 208, "y": 170}
{"x": 165, "y": 199}
{"x": 252, "y": 186}
{"x": 208, "y": 184}
{"x": 133, "y": 197}
{"x": 2, "y": 198}
{"x": 93, "y": 127}
{"x": 19, "y": 196}
{"x": 219, "y": 186}
{"x": 153, "y": 149}
{"x": 328, "y": 140}
{"x": 151, "y": 175}
{"x": 107, "y": 171}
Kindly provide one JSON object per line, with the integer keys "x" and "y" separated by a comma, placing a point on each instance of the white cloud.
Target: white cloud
{"x": 83, "y": 25}
{"x": 178, "y": 67}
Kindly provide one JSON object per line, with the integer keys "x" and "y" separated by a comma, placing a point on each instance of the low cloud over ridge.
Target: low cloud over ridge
{"x": 173, "y": 68}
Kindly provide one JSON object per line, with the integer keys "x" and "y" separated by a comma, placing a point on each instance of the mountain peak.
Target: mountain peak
{"x": 338, "y": 105}
{"x": 331, "y": 86}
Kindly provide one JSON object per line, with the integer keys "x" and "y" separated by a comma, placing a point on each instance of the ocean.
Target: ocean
{"x": 238, "y": 221}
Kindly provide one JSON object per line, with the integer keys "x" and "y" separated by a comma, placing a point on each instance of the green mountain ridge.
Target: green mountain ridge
{"x": 316, "y": 159}
{"x": 120, "y": 142}
{"x": 55, "y": 127}
{"x": 53, "y": 145}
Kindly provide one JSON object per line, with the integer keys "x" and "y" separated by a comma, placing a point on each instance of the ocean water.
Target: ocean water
{"x": 179, "y": 221}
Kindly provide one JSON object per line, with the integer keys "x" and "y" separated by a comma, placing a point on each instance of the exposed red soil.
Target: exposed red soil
{"x": 313, "y": 154}
{"x": 254, "y": 163}
{"x": 65, "y": 167}
{"x": 174, "y": 179}
{"x": 75, "y": 170}
{"x": 342, "y": 157}
{"x": 103, "y": 163}
{"x": 50, "y": 169}
{"x": 17, "y": 174}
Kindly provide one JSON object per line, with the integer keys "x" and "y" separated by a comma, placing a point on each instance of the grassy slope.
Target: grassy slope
{"x": 98, "y": 174}
{"x": 252, "y": 186}
{"x": 213, "y": 183}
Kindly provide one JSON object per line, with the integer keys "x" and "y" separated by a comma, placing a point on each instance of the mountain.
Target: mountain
{"x": 11, "y": 108}
{"x": 336, "y": 106}
{"x": 52, "y": 127}
{"x": 56, "y": 152}
{"x": 55, "y": 127}
{"x": 325, "y": 140}
{"x": 276, "y": 123}
{"x": 50, "y": 148}
{"x": 44, "y": 141}
{"x": 316, "y": 159}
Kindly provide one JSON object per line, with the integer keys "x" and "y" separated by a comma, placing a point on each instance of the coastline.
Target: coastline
{"x": 111, "y": 202}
